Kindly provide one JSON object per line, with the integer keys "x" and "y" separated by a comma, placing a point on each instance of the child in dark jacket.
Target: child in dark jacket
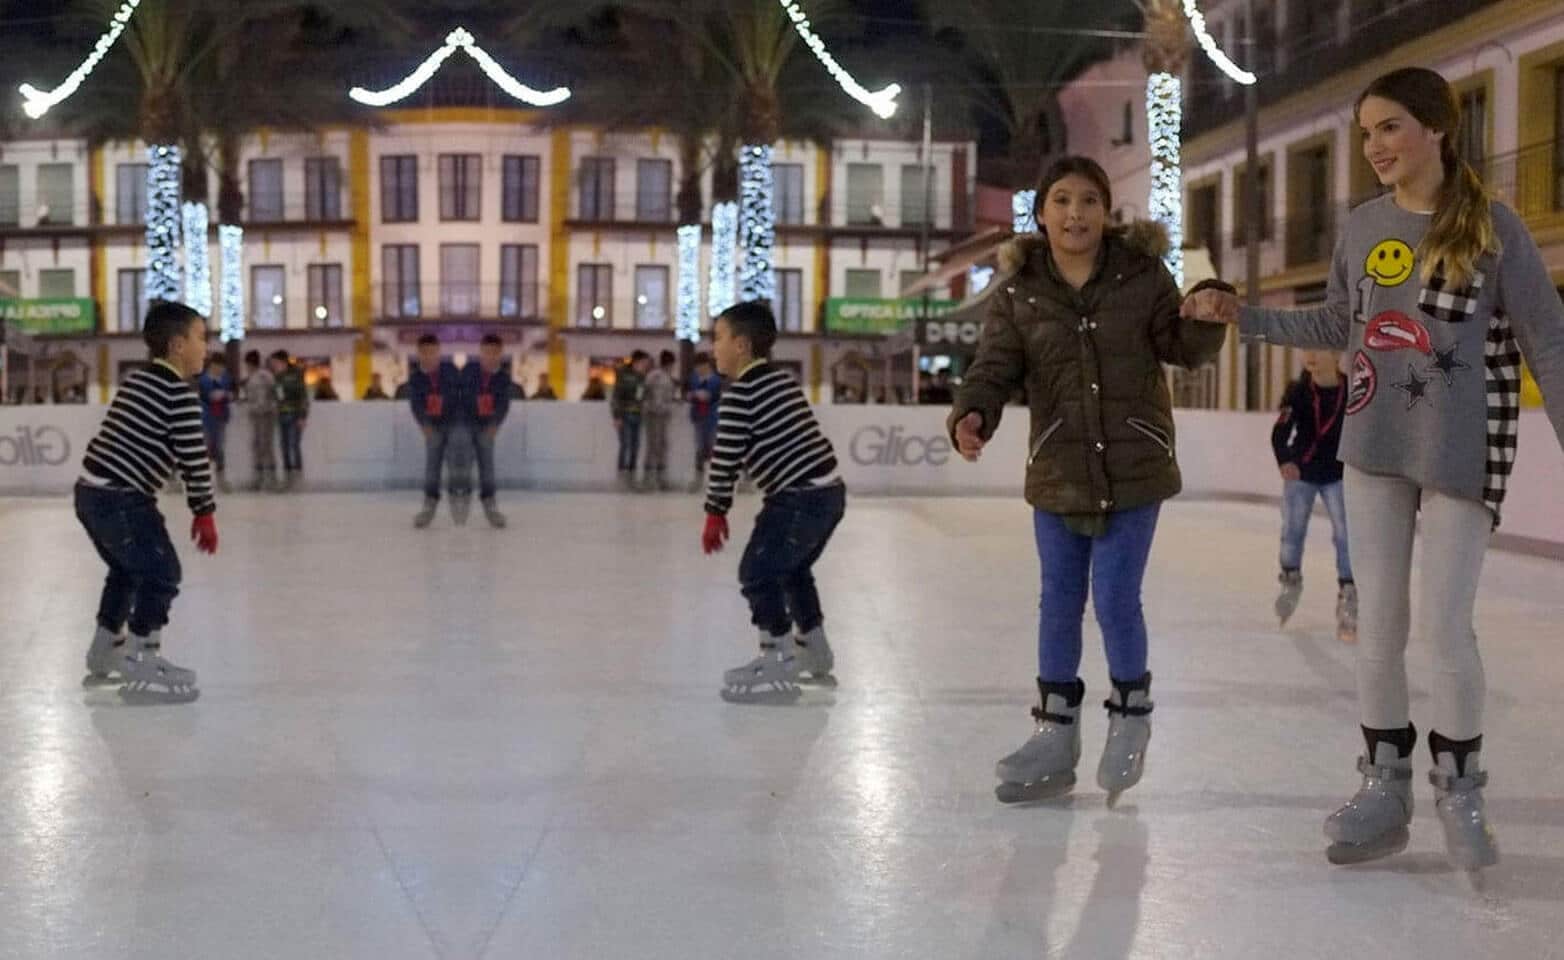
{"x": 1305, "y": 440}
{"x": 486, "y": 398}
{"x": 435, "y": 394}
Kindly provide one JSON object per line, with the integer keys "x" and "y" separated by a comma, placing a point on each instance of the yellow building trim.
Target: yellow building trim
{"x": 492, "y": 115}
{"x": 822, "y": 268}
{"x": 559, "y": 254}
{"x": 363, "y": 309}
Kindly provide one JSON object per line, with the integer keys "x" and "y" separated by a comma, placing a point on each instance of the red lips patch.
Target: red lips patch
{"x": 1394, "y": 330}
{"x": 1363, "y": 385}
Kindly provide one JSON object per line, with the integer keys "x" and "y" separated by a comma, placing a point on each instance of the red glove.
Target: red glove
{"x": 715, "y": 534}
{"x": 203, "y": 530}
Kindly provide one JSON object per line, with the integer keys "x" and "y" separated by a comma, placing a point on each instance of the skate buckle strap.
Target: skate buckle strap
{"x": 1383, "y": 773}
{"x": 1124, "y": 711}
{"x": 1041, "y": 715}
{"x": 1443, "y": 780}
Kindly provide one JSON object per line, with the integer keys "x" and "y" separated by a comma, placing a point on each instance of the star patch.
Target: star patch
{"x": 1446, "y": 364}
{"x": 1416, "y": 387}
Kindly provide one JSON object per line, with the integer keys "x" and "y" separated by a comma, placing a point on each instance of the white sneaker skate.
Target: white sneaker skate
{"x": 1374, "y": 822}
{"x": 1044, "y": 767}
{"x": 491, "y": 513}
{"x": 1458, "y": 798}
{"x": 150, "y": 678}
{"x": 105, "y": 654}
{"x": 425, "y": 516}
{"x": 771, "y": 677}
{"x": 1129, "y": 732}
{"x": 1292, "y": 591}
{"x": 815, "y": 657}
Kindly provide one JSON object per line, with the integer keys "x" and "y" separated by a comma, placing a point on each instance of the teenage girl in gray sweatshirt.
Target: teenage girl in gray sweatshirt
{"x": 1435, "y": 292}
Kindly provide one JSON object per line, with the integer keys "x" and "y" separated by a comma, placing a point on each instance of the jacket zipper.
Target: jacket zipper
{"x": 1152, "y": 433}
{"x": 1037, "y": 446}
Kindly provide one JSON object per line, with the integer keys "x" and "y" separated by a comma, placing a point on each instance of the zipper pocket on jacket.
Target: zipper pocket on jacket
{"x": 1152, "y": 433}
{"x": 1042, "y": 438}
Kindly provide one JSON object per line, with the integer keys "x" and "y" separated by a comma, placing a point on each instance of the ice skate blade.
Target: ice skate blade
{"x": 1047, "y": 789}
{"x": 93, "y": 681}
{"x": 1345, "y": 854}
{"x": 768, "y": 696}
{"x": 140, "y": 695}
{"x": 818, "y": 680}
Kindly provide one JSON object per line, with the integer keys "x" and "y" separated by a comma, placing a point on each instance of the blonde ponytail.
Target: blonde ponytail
{"x": 1463, "y": 227}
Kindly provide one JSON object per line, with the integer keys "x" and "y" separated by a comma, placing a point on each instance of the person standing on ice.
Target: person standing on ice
{"x": 1083, "y": 320}
{"x": 1305, "y": 440}
{"x": 1437, "y": 290}
{"x": 435, "y": 397}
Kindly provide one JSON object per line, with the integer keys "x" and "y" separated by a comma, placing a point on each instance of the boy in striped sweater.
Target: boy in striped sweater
{"x": 152, "y": 427}
{"x": 764, "y": 424}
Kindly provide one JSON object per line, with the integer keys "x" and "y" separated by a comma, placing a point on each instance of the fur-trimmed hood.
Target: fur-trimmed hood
{"x": 1145, "y": 237}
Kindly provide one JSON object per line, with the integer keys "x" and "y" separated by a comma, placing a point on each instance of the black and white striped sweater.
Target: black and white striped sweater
{"x": 152, "y": 427}
{"x": 764, "y": 423}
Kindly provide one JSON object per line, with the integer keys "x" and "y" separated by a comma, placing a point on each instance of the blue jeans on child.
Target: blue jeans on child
{"x": 777, "y": 572}
{"x": 291, "y": 426}
{"x": 1297, "y": 505}
{"x": 128, "y": 532}
{"x": 1113, "y": 566}
{"x": 629, "y": 442}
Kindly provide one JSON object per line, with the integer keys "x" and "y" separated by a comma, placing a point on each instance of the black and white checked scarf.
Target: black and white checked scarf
{"x": 1502, "y": 365}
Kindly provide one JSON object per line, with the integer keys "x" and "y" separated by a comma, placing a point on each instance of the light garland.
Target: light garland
{"x": 1022, "y": 206}
{"x": 1164, "y": 112}
{"x": 722, "y": 291}
{"x": 882, "y": 102}
{"x": 460, "y": 39}
{"x": 757, "y": 223}
{"x": 687, "y": 323}
{"x": 1207, "y": 43}
{"x": 198, "y": 265}
{"x": 230, "y": 246}
{"x": 163, "y": 166}
{"x": 36, "y": 103}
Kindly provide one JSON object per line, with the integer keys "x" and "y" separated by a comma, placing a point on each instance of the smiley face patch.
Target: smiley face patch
{"x": 1389, "y": 263}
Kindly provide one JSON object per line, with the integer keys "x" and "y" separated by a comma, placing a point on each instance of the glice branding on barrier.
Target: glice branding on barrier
{"x": 874, "y": 446}
{"x": 35, "y": 447}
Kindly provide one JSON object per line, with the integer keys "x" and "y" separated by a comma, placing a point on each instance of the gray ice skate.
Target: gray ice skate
{"x": 1347, "y": 614}
{"x": 1458, "y": 797}
{"x": 1044, "y": 767}
{"x": 1374, "y": 822}
{"x": 771, "y": 677}
{"x": 815, "y": 657}
{"x": 1129, "y": 731}
{"x": 150, "y": 678}
{"x": 461, "y": 505}
{"x": 1292, "y": 591}
{"x": 426, "y": 515}
{"x": 105, "y": 654}
{"x": 491, "y": 513}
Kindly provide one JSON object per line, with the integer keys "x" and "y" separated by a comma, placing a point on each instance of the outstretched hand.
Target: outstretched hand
{"x": 1211, "y": 305}
{"x": 969, "y": 437}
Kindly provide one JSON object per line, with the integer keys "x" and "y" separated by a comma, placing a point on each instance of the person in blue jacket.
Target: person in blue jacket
{"x": 435, "y": 394}
{"x": 216, "y": 388}
{"x": 486, "y": 397}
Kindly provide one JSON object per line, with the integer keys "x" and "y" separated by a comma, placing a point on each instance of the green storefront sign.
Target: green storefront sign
{"x": 855, "y": 315}
{"x": 51, "y": 316}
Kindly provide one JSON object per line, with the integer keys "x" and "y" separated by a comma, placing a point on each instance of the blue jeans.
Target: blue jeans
{"x": 629, "y": 442}
{"x": 1297, "y": 505}
{"x": 777, "y": 572}
{"x": 436, "y": 440}
{"x": 472, "y": 441}
{"x": 128, "y": 532}
{"x": 291, "y": 426}
{"x": 705, "y": 439}
{"x": 1113, "y": 566}
{"x": 216, "y": 442}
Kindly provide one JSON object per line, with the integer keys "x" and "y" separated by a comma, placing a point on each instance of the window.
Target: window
{"x": 865, "y": 194}
{"x": 518, "y": 280}
{"x": 653, "y": 191}
{"x": 266, "y": 191}
{"x": 520, "y": 200}
{"x": 461, "y": 182}
{"x": 132, "y": 303}
{"x": 594, "y": 295}
{"x": 597, "y": 188}
{"x": 130, "y": 193}
{"x": 790, "y": 300}
{"x": 325, "y": 306}
{"x": 651, "y": 298}
{"x": 56, "y": 284}
{"x": 399, "y": 265}
{"x": 459, "y": 291}
{"x": 1127, "y": 128}
{"x": 10, "y": 284}
{"x": 322, "y": 189}
{"x": 863, "y": 284}
{"x": 914, "y": 205}
{"x": 789, "y": 192}
{"x": 268, "y": 297}
{"x": 907, "y": 279}
{"x": 1473, "y": 140}
{"x": 1240, "y": 212}
{"x": 10, "y": 195}
{"x": 399, "y": 189}
{"x": 56, "y": 194}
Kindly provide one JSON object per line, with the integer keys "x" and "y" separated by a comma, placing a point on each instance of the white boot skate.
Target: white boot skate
{"x": 1292, "y": 591}
{"x": 150, "y": 678}
{"x": 1374, "y": 822}
{"x": 1129, "y": 731}
{"x": 426, "y": 515}
{"x": 771, "y": 677}
{"x": 104, "y": 656}
{"x": 1347, "y": 613}
{"x": 491, "y": 513}
{"x": 815, "y": 657}
{"x": 1044, "y": 767}
{"x": 1458, "y": 797}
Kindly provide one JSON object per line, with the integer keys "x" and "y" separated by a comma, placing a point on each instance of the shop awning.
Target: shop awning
{"x": 958, "y": 260}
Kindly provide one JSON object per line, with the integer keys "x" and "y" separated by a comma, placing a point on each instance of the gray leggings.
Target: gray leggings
{"x": 1382, "y": 515}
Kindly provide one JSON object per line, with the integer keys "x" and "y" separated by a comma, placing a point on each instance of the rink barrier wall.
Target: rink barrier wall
{"x": 883, "y": 451}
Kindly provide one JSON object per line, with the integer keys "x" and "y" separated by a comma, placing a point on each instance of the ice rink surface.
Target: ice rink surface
{"x": 467, "y": 743}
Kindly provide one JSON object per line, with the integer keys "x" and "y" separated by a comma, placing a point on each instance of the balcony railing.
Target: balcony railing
{"x": 1531, "y": 180}
{"x": 459, "y": 301}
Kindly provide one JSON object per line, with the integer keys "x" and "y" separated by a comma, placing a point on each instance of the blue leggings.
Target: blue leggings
{"x": 1114, "y": 566}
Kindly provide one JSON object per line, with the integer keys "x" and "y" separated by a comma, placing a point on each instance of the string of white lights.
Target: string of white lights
{"x": 1164, "y": 112}
{"x": 1197, "y": 21}
{"x": 460, "y": 39}
{"x": 1022, "y": 203}
{"x": 721, "y": 293}
{"x": 163, "y": 165}
{"x": 882, "y": 102}
{"x": 230, "y": 246}
{"x": 687, "y": 324}
{"x": 36, "y": 103}
{"x": 198, "y": 265}
{"x": 757, "y": 223}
